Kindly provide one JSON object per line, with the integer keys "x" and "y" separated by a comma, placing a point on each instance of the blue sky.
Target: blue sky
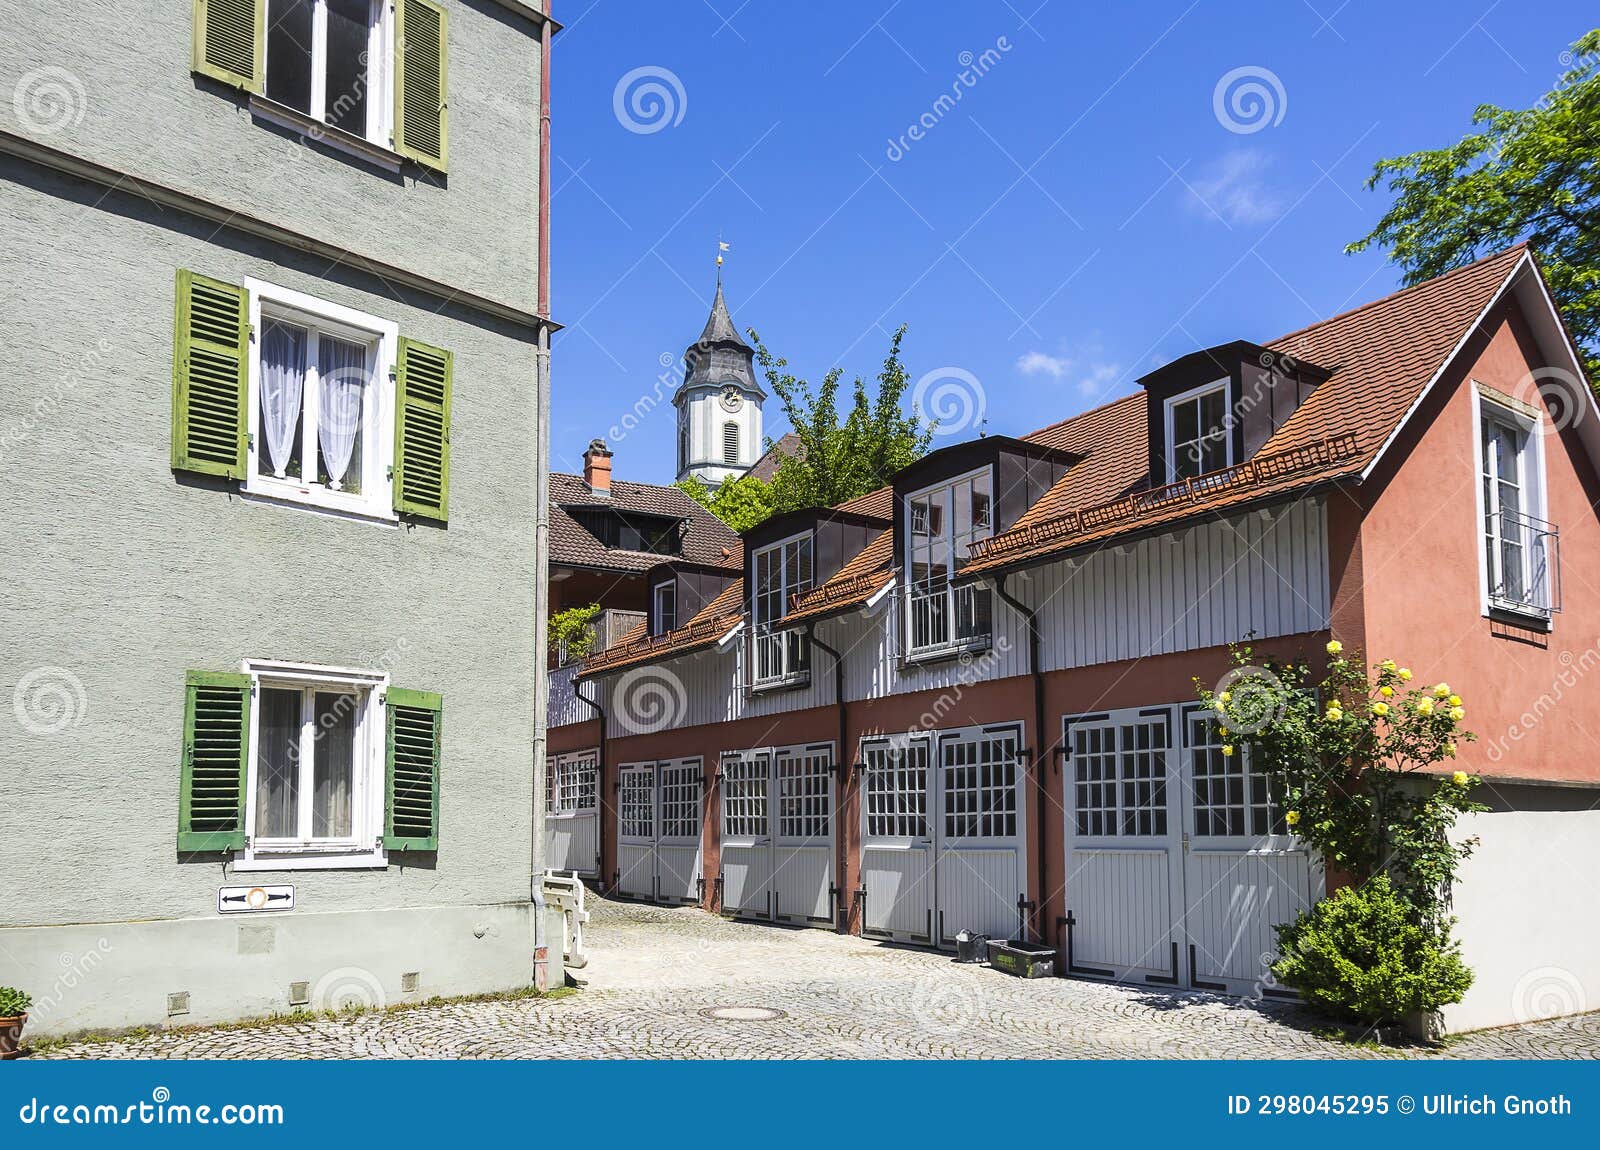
{"x": 1116, "y": 185}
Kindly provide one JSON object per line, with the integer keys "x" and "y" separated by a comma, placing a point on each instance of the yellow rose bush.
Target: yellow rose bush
{"x": 1353, "y": 755}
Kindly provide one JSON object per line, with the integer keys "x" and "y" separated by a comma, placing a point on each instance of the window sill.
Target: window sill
{"x": 1528, "y": 618}
{"x": 292, "y": 862}
{"x": 787, "y": 683}
{"x": 946, "y": 652}
{"x": 289, "y": 493}
{"x": 337, "y": 138}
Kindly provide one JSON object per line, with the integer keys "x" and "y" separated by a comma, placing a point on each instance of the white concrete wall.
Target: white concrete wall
{"x": 1526, "y": 905}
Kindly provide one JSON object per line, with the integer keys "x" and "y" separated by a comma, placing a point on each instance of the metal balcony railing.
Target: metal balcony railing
{"x": 940, "y": 619}
{"x": 1524, "y": 563}
{"x": 777, "y": 658}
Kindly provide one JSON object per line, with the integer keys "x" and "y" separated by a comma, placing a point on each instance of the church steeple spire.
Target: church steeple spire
{"x": 719, "y": 401}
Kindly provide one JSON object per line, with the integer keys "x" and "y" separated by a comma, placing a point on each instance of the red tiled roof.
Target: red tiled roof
{"x": 715, "y": 620}
{"x": 1382, "y": 355}
{"x": 706, "y": 539}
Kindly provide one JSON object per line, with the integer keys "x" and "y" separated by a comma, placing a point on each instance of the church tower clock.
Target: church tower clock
{"x": 719, "y": 402}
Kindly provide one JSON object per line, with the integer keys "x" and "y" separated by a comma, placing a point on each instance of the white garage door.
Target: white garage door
{"x": 777, "y": 834}
{"x": 572, "y": 824}
{"x": 1178, "y": 863}
{"x": 942, "y": 834}
{"x": 658, "y": 841}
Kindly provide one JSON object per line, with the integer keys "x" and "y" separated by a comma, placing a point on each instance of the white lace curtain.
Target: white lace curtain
{"x": 283, "y": 380}
{"x": 342, "y": 371}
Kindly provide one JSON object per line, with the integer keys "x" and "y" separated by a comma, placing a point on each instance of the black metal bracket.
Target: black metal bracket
{"x": 1200, "y": 984}
{"x": 1071, "y": 921}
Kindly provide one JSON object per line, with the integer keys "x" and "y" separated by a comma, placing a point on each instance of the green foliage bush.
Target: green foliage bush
{"x": 13, "y": 1002}
{"x": 1362, "y": 954}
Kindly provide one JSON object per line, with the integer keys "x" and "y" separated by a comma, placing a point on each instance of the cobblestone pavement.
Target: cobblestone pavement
{"x": 655, "y": 973}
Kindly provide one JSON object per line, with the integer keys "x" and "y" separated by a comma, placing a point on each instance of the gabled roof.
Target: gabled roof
{"x": 706, "y": 539}
{"x": 1383, "y": 356}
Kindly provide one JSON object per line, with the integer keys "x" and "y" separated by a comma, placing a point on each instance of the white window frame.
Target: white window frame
{"x": 1490, "y": 405}
{"x": 785, "y": 593}
{"x": 667, "y": 590}
{"x": 571, "y": 797}
{"x": 363, "y": 849}
{"x": 1191, "y": 396}
{"x": 376, "y": 498}
{"x": 950, "y": 643}
{"x": 735, "y": 440}
{"x": 380, "y": 74}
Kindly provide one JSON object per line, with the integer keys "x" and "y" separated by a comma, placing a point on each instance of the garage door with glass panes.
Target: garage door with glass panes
{"x": 942, "y": 842}
{"x": 1179, "y": 862}
{"x": 658, "y": 830}
{"x": 571, "y": 823}
{"x": 777, "y": 834}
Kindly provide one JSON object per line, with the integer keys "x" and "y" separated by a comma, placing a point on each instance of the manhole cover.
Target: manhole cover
{"x": 743, "y": 1013}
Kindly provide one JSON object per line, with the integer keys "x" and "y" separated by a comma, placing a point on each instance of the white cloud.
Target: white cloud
{"x": 1091, "y": 377}
{"x": 1234, "y": 189}
{"x": 1038, "y": 363}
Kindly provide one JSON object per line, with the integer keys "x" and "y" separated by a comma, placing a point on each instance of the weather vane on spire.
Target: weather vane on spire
{"x": 721, "y": 247}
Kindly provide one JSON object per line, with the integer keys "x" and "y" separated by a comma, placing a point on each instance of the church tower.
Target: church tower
{"x": 719, "y": 402}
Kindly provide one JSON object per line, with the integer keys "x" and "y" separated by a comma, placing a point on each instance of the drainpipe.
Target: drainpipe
{"x": 1040, "y": 756}
{"x": 600, "y": 790}
{"x": 841, "y": 768}
{"x": 541, "y": 527}
{"x": 544, "y": 164}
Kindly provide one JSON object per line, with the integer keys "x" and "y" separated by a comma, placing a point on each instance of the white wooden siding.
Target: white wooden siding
{"x": 1210, "y": 585}
{"x": 565, "y": 708}
{"x": 1254, "y": 575}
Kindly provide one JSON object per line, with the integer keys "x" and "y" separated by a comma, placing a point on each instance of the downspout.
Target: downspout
{"x": 1040, "y": 756}
{"x": 842, "y": 768}
{"x": 600, "y": 796}
{"x": 544, "y": 164}
{"x": 541, "y": 529}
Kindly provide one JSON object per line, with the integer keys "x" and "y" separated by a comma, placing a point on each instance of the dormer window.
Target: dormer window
{"x": 781, "y": 571}
{"x": 666, "y": 607}
{"x": 1199, "y": 438}
{"x": 942, "y": 524}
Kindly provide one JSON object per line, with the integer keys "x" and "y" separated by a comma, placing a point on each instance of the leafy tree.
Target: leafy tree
{"x": 1525, "y": 174}
{"x": 840, "y": 458}
{"x": 740, "y": 502}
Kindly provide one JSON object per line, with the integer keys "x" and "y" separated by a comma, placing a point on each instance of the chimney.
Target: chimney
{"x": 597, "y": 467}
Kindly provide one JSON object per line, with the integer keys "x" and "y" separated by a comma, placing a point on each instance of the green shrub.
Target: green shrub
{"x": 13, "y": 1002}
{"x": 1362, "y": 954}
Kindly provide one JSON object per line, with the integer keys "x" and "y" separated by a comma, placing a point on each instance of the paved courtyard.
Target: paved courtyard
{"x": 655, "y": 976}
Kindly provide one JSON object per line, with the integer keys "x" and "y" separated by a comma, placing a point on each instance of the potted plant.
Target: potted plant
{"x": 13, "y": 1017}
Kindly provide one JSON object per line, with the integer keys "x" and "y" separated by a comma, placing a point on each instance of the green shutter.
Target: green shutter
{"x": 421, "y": 106}
{"x": 230, "y": 41}
{"x": 422, "y": 431}
{"x": 210, "y": 377}
{"x": 216, "y": 746}
{"x": 411, "y": 789}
